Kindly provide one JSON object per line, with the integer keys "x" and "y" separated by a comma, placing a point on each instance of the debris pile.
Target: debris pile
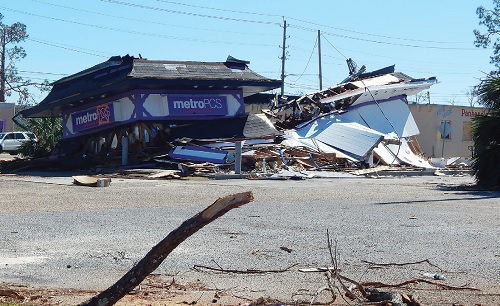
{"x": 362, "y": 123}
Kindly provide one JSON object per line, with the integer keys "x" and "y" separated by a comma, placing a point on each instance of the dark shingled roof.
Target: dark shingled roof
{"x": 122, "y": 74}
{"x": 144, "y": 69}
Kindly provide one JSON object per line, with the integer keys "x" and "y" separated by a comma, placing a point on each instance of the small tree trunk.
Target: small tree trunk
{"x": 2, "y": 66}
{"x": 158, "y": 253}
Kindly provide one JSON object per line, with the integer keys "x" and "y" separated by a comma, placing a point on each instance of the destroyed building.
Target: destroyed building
{"x": 129, "y": 110}
{"x": 366, "y": 119}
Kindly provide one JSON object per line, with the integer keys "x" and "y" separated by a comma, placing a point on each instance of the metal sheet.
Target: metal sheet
{"x": 386, "y": 155}
{"x": 294, "y": 140}
{"x": 405, "y": 154}
{"x": 348, "y": 137}
{"x": 392, "y": 115}
{"x": 199, "y": 154}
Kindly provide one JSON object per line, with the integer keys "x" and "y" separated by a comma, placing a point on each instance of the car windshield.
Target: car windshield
{"x": 31, "y": 135}
{"x": 2, "y": 135}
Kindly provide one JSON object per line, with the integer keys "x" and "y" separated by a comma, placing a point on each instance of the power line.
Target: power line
{"x": 97, "y": 53}
{"x": 65, "y": 48}
{"x": 308, "y": 61}
{"x": 136, "y": 32}
{"x": 39, "y": 72}
{"x": 149, "y": 21}
{"x": 40, "y": 79}
{"x": 371, "y": 34}
{"x": 395, "y": 58}
{"x": 248, "y": 20}
{"x": 384, "y": 42}
{"x": 188, "y": 13}
{"x": 268, "y": 15}
{"x": 218, "y": 9}
{"x": 293, "y": 26}
{"x": 334, "y": 47}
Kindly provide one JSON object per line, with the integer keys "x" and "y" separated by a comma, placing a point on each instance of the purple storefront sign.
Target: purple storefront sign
{"x": 92, "y": 117}
{"x": 197, "y": 105}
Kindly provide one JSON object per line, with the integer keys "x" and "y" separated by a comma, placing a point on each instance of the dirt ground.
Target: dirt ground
{"x": 153, "y": 292}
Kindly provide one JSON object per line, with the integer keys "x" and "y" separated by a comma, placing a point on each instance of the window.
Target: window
{"x": 19, "y": 136}
{"x": 467, "y": 132}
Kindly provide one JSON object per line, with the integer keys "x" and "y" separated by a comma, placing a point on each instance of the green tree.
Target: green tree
{"x": 10, "y": 80}
{"x": 486, "y": 136}
{"x": 48, "y": 131}
{"x": 486, "y": 128}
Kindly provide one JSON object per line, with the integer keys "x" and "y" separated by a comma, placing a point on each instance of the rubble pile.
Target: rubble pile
{"x": 362, "y": 123}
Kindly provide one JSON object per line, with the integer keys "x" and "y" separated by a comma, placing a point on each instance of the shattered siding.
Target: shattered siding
{"x": 386, "y": 116}
{"x": 351, "y": 138}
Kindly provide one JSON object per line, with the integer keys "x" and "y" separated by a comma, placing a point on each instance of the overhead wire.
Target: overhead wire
{"x": 293, "y": 26}
{"x": 137, "y": 32}
{"x": 63, "y": 47}
{"x": 308, "y": 61}
{"x": 219, "y": 9}
{"x": 304, "y": 28}
{"x": 189, "y": 13}
{"x": 334, "y": 46}
{"x": 269, "y": 15}
{"x": 150, "y": 21}
{"x": 371, "y": 34}
{"x": 246, "y": 20}
{"x": 40, "y": 72}
{"x": 384, "y": 42}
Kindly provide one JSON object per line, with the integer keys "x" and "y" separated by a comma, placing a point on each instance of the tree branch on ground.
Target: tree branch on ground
{"x": 247, "y": 271}
{"x": 159, "y": 252}
{"x": 416, "y": 281}
{"x": 405, "y": 264}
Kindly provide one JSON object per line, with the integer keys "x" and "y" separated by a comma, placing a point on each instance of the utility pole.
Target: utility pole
{"x": 428, "y": 98}
{"x": 319, "y": 57}
{"x": 283, "y": 58}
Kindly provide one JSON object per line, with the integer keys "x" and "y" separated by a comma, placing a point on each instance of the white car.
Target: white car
{"x": 11, "y": 141}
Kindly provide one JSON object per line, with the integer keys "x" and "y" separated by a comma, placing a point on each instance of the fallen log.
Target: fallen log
{"x": 159, "y": 252}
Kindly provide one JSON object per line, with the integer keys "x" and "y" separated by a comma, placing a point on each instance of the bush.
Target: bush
{"x": 48, "y": 131}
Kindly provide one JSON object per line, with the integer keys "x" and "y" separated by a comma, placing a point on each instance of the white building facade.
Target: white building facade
{"x": 445, "y": 130}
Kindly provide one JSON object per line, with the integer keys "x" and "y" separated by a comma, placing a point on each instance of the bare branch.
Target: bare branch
{"x": 158, "y": 253}
{"x": 415, "y": 281}
{"x": 247, "y": 271}
{"x": 405, "y": 264}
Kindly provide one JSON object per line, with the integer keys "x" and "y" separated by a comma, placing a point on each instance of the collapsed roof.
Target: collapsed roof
{"x": 370, "y": 87}
{"x": 366, "y": 115}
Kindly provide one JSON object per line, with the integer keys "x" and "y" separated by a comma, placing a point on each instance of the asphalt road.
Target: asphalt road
{"x": 57, "y": 234}
{"x": 6, "y": 156}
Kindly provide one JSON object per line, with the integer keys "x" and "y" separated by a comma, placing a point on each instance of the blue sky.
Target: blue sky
{"x": 422, "y": 38}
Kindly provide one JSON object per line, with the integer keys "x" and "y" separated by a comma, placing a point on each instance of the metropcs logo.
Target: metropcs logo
{"x": 205, "y": 103}
{"x": 89, "y": 118}
{"x": 197, "y": 105}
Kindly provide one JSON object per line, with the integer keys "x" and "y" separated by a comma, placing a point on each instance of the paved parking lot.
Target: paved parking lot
{"x": 6, "y": 156}
{"x": 58, "y": 234}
